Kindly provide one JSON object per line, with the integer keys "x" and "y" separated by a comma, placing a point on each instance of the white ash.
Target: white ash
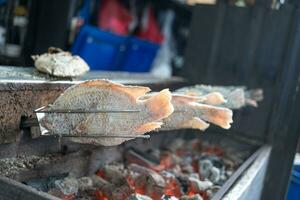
{"x": 199, "y": 185}
{"x": 68, "y": 185}
{"x": 166, "y": 197}
{"x": 11, "y": 167}
{"x": 139, "y": 197}
{"x": 193, "y": 197}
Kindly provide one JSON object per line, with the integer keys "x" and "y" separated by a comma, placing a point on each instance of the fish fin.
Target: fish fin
{"x": 216, "y": 115}
{"x": 251, "y": 102}
{"x": 180, "y": 98}
{"x": 195, "y": 123}
{"x": 214, "y": 98}
{"x": 144, "y": 128}
{"x": 159, "y": 105}
{"x": 134, "y": 91}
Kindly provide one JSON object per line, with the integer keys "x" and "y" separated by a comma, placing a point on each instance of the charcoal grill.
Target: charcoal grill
{"x": 254, "y": 46}
{"x": 23, "y": 90}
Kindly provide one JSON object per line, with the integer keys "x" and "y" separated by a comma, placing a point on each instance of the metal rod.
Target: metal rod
{"x": 108, "y": 136}
{"x": 78, "y": 111}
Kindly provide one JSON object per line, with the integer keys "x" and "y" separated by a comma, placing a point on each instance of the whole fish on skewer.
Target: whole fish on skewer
{"x": 193, "y": 112}
{"x": 106, "y": 95}
{"x": 236, "y": 96}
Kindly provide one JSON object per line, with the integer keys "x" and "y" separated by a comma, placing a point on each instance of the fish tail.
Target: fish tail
{"x": 159, "y": 105}
{"x": 214, "y": 98}
{"x": 219, "y": 116}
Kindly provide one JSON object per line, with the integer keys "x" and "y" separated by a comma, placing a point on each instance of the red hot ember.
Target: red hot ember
{"x": 187, "y": 170}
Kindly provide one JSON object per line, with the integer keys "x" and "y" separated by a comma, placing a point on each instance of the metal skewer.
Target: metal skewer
{"x": 32, "y": 122}
{"x": 107, "y": 136}
{"x": 78, "y": 111}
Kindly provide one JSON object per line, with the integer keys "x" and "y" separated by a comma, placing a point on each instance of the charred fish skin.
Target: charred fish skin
{"x": 106, "y": 95}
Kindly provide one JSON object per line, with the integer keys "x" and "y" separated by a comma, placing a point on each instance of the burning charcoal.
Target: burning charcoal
{"x": 85, "y": 183}
{"x": 100, "y": 195}
{"x": 109, "y": 190}
{"x": 67, "y": 186}
{"x": 217, "y": 162}
{"x": 148, "y": 182}
{"x": 98, "y": 181}
{"x": 157, "y": 178}
{"x": 114, "y": 174}
{"x": 134, "y": 156}
{"x": 87, "y": 194}
{"x": 105, "y": 186}
{"x": 193, "y": 197}
{"x": 197, "y": 185}
{"x": 168, "y": 159}
{"x": 187, "y": 168}
{"x": 139, "y": 197}
{"x": 184, "y": 183}
{"x": 122, "y": 192}
{"x": 186, "y": 164}
{"x": 173, "y": 186}
{"x": 175, "y": 170}
{"x": 44, "y": 184}
{"x": 214, "y": 175}
{"x": 213, "y": 190}
{"x": 194, "y": 175}
{"x": 205, "y": 167}
{"x": 166, "y": 197}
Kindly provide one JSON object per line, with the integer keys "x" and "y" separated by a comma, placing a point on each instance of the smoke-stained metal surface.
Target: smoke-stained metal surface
{"x": 22, "y": 90}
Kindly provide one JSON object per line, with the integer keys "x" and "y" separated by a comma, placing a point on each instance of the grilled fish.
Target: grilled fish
{"x": 192, "y": 112}
{"x": 236, "y": 96}
{"x": 106, "y": 95}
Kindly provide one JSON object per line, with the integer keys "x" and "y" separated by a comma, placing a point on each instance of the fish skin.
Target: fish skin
{"x": 106, "y": 95}
{"x": 191, "y": 114}
{"x": 234, "y": 95}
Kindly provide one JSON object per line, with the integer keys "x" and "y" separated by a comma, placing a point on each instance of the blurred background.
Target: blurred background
{"x": 127, "y": 35}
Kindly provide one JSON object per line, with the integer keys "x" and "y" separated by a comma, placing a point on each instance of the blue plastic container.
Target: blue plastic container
{"x": 139, "y": 55}
{"x": 100, "y": 49}
{"x": 294, "y": 187}
{"x": 107, "y": 51}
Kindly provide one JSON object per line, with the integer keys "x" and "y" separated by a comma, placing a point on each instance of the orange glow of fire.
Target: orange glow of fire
{"x": 201, "y": 193}
{"x": 100, "y": 195}
{"x": 214, "y": 150}
{"x": 167, "y": 161}
{"x": 172, "y": 188}
{"x": 101, "y": 173}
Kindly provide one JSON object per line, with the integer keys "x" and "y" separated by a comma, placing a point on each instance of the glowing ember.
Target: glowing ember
{"x": 190, "y": 170}
{"x": 100, "y": 195}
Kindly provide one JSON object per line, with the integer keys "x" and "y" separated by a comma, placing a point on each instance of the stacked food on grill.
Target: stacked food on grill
{"x": 131, "y": 110}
